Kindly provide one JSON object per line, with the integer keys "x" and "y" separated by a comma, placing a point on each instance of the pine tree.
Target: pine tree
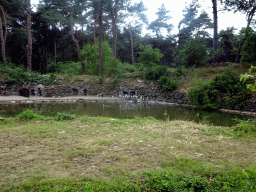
{"x": 161, "y": 21}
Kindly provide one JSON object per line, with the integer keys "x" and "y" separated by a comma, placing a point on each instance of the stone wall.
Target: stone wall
{"x": 140, "y": 92}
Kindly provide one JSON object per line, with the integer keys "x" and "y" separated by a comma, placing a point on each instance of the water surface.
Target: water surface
{"x": 124, "y": 110}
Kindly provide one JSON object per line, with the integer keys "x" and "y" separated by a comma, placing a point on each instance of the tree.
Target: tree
{"x": 16, "y": 38}
{"x": 29, "y": 46}
{"x": 192, "y": 24}
{"x": 149, "y": 56}
{"x": 193, "y": 53}
{"x": 249, "y": 47}
{"x": 135, "y": 15}
{"x": 215, "y": 36}
{"x": 244, "y": 6}
{"x": 3, "y": 32}
{"x": 72, "y": 31}
{"x": 161, "y": 22}
{"x": 227, "y": 42}
{"x": 99, "y": 7}
{"x": 114, "y": 8}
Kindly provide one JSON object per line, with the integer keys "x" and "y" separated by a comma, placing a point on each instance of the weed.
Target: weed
{"x": 28, "y": 115}
{"x": 64, "y": 116}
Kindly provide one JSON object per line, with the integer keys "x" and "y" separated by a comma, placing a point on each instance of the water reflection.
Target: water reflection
{"x": 124, "y": 110}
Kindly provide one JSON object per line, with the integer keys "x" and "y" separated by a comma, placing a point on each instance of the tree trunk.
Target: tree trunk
{"x": 113, "y": 14}
{"x": 55, "y": 51}
{"x": 76, "y": 42}
{"x": 215, "y": 38}
{"x": 3, "y": 33}
{"x": 94, "y": 31}
{"x": 131, "y": 38}
{"x": 114, "y": 37}
{"x": 29, "y": 46}
{"x": 100, "y": 42}
{"x": 2, "y": 41}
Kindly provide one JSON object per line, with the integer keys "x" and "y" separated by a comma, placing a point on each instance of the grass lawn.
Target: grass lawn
{"x": 140, "y": 154}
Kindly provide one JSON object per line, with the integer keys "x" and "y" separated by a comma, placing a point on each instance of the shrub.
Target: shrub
{"x": 64, "y": 116}
{"x": 154, "y": 73}
{"x": 167, "y": 83}
{"x": 28, "y": 115}
{"x": 231, "y": 86}
{"x": 20, "y": 75}
{"x": 204, "y": 96}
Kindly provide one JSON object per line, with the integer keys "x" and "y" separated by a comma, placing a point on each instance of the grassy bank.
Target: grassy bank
{"x": 68, "y": 153}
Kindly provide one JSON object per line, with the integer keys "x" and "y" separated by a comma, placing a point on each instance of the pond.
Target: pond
{"x": 124, "y": 110}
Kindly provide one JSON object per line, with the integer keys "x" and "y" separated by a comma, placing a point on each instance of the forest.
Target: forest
{"x": 101, "y": 36}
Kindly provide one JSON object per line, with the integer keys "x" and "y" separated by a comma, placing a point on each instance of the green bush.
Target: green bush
{"x": 64, "y": 116}
{"x": 230, "y": 86}
{"x": 28, "y": 115}
{"x": 204, "y": 96}
{"x": 149, "y": 56}
{"x": 193, "y": 53}
{"x": 21, "y": 75}
{"x": 154, "y": 73}
{"x": 167, "y": 83}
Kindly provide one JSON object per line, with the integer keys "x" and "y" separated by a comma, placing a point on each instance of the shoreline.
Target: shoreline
{"x": 74, "y": 99}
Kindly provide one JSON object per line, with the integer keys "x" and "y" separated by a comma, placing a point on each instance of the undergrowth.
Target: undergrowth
{"x": 20, "y": 75}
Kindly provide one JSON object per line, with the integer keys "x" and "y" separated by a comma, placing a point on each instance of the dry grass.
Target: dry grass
{"x": 101, "y": 147}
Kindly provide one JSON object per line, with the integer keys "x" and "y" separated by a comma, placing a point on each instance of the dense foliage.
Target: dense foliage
{"x": 193, "y": 53}
{"x": 249, "y": 47}
{"x": 228, "y": 86}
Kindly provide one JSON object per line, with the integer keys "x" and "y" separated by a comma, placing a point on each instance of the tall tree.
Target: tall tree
{"x": 72, "y": 33}
{"x": 3, "y": 32}
{"x": 136, "y": 18}
{"x": 99, "y": 7}
{"x": 115, "y": 7}
{"x": 161, "y": 21}
{"x": 29, "y": 46}
{"x": 215, "y": 35}
{"x": 193, "y": 24}
{"x": 245, "y": 6}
